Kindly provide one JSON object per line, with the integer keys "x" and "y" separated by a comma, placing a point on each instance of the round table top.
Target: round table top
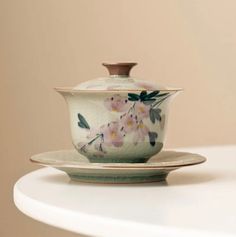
{"x": 195, "y": 201}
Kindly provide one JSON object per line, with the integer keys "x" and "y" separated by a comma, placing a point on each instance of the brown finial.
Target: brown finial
{"x": 119, "y": 69}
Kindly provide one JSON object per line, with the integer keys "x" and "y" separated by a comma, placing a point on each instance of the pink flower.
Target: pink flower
{"x": 142, "y": 110}
{"x": 112, "y": 134}
{"x": 140, "y": 133}
{"x": 129, "y": 122}
{"x": 117, "y": 103}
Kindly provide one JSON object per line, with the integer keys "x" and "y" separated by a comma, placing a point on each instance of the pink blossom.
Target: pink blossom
{"x": 112, "y": 134}
{"x": 129, "y": 122}
{"x": 140, "y": 133}
{"x": 117, "y": 103}
{"x": 142, "y": 110}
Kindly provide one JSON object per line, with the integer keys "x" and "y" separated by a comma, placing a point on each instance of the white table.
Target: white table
{"x": 195, "y": 201}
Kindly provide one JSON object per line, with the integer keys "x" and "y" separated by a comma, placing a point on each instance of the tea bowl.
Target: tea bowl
{"x": 118, "y": 119}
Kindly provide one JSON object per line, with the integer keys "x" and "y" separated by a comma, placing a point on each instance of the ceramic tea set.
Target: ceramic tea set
{"x": 118, "y": 125}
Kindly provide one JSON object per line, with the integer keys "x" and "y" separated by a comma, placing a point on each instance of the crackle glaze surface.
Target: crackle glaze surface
{"x": 118, "y": 126}
{"x": 118, "y": 83}
{"x": 80, "y": 169}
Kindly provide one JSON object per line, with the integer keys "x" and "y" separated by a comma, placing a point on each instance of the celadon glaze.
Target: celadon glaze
{"x": 119, "y": 80}
{"x": 78, "y": 168}
{"x": 117, "y": 83}
{"x": 116, "y": 119}
{"x": 114, "y": 177}
{"x": 104, "y": 134}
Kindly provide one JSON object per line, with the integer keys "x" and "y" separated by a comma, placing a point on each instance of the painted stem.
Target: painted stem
{"x": 132, "y": 107}
{"x": 101, "y": 135}
{"x": 90, "y": 142}
{"x": 160, "y": 101}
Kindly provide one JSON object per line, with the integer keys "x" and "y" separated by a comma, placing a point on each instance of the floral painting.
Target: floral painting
{"x": 133, "y": 112}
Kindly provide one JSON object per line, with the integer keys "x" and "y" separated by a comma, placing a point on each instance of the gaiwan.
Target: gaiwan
{"x": 118, "y": 118}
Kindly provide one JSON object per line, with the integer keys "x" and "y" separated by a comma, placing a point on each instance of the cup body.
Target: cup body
{"x": 118, "y": 126}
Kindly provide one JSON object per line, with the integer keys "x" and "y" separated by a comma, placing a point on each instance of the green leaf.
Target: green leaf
{"x": 160, "y": 95}
{"x": 152, "y": 94}
{"x": 81, "y": 125}
{"x": 82, "y": 122}
{"x": 158, "y": 110}
{"x": 143, "y": 95}
{"x": 149, "y": 102}
{"x": 152, "y": 138}
{"x": 152, "y": 115}
{"x": 133, "y": 97}
{"x": 157, "y": 114}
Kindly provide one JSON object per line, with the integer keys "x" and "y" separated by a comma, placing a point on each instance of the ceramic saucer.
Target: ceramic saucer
{"x": 80, "y": 169}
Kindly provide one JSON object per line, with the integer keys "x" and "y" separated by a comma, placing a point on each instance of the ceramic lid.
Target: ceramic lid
{"x": 119, "y": 79}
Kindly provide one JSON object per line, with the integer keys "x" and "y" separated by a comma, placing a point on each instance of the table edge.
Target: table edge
{"x": 51, "y": 215}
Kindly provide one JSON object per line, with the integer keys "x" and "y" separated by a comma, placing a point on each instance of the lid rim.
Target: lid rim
{"x": 72, "y": 90}
{"x": 121, "y": 64}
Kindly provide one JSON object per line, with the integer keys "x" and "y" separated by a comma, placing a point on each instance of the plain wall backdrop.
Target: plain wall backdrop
{"x": 48, "y": 43}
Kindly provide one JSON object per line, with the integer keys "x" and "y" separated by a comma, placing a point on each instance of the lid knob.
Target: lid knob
{"x": 119, "y": 69}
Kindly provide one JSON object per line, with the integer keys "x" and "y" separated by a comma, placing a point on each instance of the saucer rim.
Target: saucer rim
{"x": 113, "y": 166}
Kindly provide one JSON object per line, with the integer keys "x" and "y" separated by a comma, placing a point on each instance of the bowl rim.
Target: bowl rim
{"x": 72, "y": 90}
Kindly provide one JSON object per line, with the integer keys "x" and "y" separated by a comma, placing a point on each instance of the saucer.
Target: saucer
{"x": 80, "y": 169}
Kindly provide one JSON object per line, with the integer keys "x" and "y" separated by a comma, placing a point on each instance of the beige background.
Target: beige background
{"x": 48, "y": 43}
